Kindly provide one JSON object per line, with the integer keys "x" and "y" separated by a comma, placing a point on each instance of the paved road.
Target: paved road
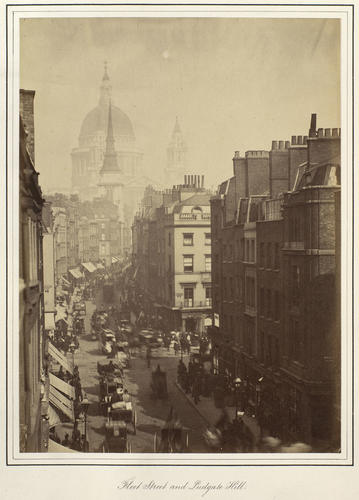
{"x": 151, "y": 413}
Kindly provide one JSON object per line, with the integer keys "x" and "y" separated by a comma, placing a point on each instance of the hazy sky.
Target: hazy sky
{"x": 235, "y": 84}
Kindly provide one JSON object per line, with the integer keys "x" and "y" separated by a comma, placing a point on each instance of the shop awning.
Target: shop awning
{"x": 60, "y": 358}
{"x": 58, "y": 448}
{"x": 49, "y": 321}
{"x": 99, "y": 266}
{"x": 64, "y": 280}
{"x": 54, "y": 417}
{"x": 62, "y": 386}
{"x": 89, "y": 267}
{"x": 61, "y": 402}
{"x": 76, "y": 273}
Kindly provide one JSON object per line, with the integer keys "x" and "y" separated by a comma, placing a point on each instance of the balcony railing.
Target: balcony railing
{"x": 195, "y": 304}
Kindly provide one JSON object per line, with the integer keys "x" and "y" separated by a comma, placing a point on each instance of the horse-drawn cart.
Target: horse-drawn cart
{"x": 116, "y": 438}
{"x": 122, "y": 411}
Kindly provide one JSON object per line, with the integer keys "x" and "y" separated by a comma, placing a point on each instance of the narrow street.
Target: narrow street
{"x": 151, "y": 413}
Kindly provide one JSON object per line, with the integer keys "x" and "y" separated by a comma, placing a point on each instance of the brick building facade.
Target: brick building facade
{"x": 273, "y": 273}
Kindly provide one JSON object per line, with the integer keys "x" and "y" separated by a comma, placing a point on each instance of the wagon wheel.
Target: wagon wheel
{"x": 155, "y": 443}
{"x": 134, "y": 421}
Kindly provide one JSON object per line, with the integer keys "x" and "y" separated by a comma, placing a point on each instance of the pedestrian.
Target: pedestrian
{"x": 66, "y": 441}
{"x": 148, "y": 356}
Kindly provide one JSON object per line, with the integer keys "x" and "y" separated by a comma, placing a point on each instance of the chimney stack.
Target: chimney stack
{"x": 313, "y": 125}
{"x": 202, "y": 181}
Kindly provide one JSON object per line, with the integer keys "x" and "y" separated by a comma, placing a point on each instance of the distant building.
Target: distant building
{"x": 108, "y": 162}
{"x": 275, "y": 322}
{"x": 176, "y": 166}
{"x": 172, "y": 254}
{"x": 33, "y": 397}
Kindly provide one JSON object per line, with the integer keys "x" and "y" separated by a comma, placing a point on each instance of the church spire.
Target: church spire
{"x": 110, "y": 159}
{"x": 105, "y": 89}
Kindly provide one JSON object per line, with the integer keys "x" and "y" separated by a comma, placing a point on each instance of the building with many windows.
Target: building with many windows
{"x": 274, "y": 296}
{"x": 172, "y": 254}
{"x": 33, "y": 400}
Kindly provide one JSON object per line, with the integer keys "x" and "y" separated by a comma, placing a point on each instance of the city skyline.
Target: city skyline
{"x": 196, "y": 69}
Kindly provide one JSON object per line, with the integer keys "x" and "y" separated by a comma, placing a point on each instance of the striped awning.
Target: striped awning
{"x": 62, "y": 386}
{"x": 54, "y": 417}
{"x": 60, "y": 358}
{"x": 61, "y": 402}
{"x": 89, "y": 267}
{"x": 76, "y": 273}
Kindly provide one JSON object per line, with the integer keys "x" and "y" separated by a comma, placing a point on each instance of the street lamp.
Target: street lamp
{"x": 72, "y": 347}
{"x": 237, "y": 385}
{"x": 85, "y": 403}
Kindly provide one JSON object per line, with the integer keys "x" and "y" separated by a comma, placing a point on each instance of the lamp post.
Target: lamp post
{"x": 85, "y": 406}
{"x": 237, "y": 385}
{"x": 72, "y": 350}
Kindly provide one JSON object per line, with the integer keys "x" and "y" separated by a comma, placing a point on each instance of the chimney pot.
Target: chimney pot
{"x": 305, "y": 139}
{"x": 328, "y": 132}
{"x": 300, "y": 140}
{"x": 274, "y": 145}
{"x": 236, "y": 154}
{"x": 287, "y": 144}
{"x": 294, "y": 140}
{"x": 281, "y": 144}
{"x": 320, "y": 132}
{"x": 335, "y": 132}
{"x": 313, "y": 125}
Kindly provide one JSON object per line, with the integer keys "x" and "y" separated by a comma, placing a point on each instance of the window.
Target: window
{"x": 276, "y": 256}
{"x": 169, "y": 263}
{"x": 188, "y": 239}
{"x": 208, "y": 296}
{"x": 261, "y": 301}
{"x": 207, "y": 239}
{"x": 170, "y": 291}
{"x": 188, "y": 297}
{"x": 102, "y": 237}
{"x": 252, "y": 253}
{"x": 295, "y": 283}
{"x": 250, "y": 292}
{"x": 247, "y": 251}
{"x": 269, "y": 256}
{"x": 188, "y": 263}
{"x": 169, "y": 239}
{"x": 276, "y": 305}
{"x": 208, "y": 263}
{"x": 269, "y": 304}
{"x": 261, "y": 255}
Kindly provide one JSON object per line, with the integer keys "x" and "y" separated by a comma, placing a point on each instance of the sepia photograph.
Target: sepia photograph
{"x": 179, "y": 258}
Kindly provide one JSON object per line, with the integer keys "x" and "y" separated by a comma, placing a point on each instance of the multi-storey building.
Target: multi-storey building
{"x": 172, "y": 252}
{"x": 275, "y": 324}
{"x": 32, "y": 347}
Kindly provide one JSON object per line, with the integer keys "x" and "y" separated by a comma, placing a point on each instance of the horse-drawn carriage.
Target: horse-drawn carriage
{"x": 116, "y": 438}
{"x": 109, "y": 385}
{"x": 173, "y": 440}
{"x": 122, "y": 411}
{"x": 110, "y": 368}
{"x": 159, "y": 384}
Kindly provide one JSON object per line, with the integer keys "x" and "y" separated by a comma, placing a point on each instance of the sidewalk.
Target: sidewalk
{"x": 208, "y": 411}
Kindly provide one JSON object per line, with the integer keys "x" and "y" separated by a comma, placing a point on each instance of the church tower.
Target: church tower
{"x": 176, "y": 157}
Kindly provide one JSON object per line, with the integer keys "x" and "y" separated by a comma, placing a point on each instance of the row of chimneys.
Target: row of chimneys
{"x": 196, "y": 181}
